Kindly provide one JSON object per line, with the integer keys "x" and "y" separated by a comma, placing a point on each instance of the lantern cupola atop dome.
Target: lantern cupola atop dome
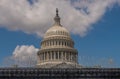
{"x": 57, "y": 29}
{"x": 57, "y": 18}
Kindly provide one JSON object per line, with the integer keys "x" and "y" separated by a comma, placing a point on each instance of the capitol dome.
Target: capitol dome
{"x": 57, "y": 48}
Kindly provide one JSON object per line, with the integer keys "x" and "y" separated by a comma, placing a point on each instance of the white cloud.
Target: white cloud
{"x": 23, "y": 56}
{"x": 37, "y": 18}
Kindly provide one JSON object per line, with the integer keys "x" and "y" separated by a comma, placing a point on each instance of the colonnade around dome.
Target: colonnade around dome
{"x": 62, "y": 56}
{"x": 57, "y": 33}
{"x": 61, "y": 42}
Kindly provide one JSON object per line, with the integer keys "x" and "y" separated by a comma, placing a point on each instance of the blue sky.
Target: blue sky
{"x": 103, "y": 41}
{"x": 98, "y": 46}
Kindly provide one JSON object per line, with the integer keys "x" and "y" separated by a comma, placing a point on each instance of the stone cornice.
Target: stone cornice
{"x": 58, "y": 49}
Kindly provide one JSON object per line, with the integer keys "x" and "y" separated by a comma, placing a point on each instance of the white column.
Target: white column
{"x": 58, "y": 55}
{"x": 62, "y": 56}
{"x": 44, "y": 56}
{"x": 48, "y": 43}
{"x": 51, "y": 42}
{"x": 47, "y": 57}
{"x": 54, "y": 56}
{"x": 70, "y": 56}
{"x": 50, "y": 55}
{"x": 65, "y": 56}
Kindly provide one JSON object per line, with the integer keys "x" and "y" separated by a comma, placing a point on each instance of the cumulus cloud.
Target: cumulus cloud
{"x": 77, "y": 15}
{"x": 23, "y": 56}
